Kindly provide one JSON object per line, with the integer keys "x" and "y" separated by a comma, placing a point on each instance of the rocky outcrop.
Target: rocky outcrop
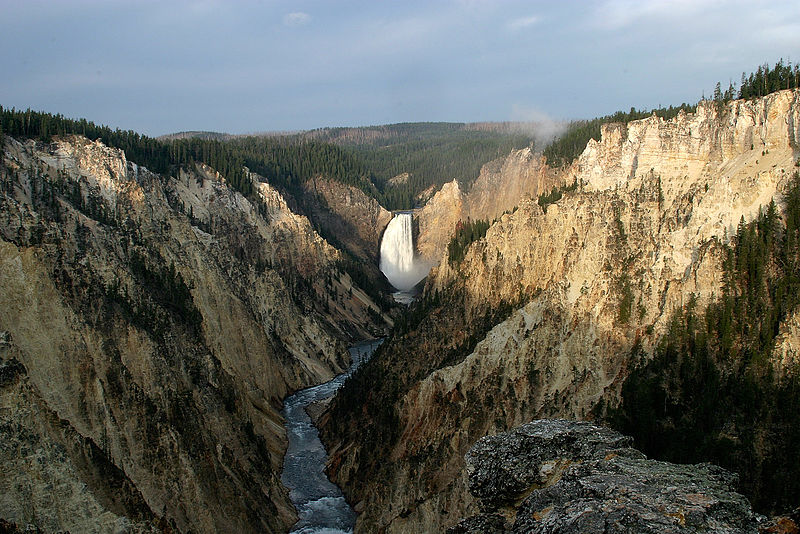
{"x": 159, "y": 322}
{"x": 541, "y": 316}
{"x": 500, "y": 187}
{"x": 400, "y": 179}
{"x": 553, "y": 476}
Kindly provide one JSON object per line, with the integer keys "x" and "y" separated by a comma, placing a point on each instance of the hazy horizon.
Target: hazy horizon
{"x": 245, "y": 67}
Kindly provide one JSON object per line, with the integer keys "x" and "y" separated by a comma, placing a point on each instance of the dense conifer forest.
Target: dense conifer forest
{"x": 431, "y": 153}
{"x": 710, "y": 393}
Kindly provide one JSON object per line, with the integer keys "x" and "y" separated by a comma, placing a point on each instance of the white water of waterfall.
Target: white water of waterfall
{"x": 398, "y": 263}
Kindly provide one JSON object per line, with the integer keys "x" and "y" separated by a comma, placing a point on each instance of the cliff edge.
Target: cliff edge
{"x": 552, "y": 476}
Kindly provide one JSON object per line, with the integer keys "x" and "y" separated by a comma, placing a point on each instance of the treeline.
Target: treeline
{"x": 760, "y": 83}
{"x": 569, "y": 146}
{"x": 159, "y": 157}
{"x": 366, "y": 158}
{"x": 710, "y": 392}
{"x": 384, "y": 134}
{"x": 465, "y": 233}
{"x": 432, "y": 153}
{"x": 43, "y": 126}
{"x": 285, "y": 162}
{"x": 765, "y": 80}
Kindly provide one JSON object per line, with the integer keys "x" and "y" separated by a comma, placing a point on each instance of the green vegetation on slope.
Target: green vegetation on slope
{"x": 765, "y": 80}
{"x": 465, "y": 234}
{"x": 556, "y": 194}
{"x": 432, "y": 153}
{"x": 285, "y": 163}
{"x": 566, "y": 148}
{"x": 371, "y": 394}
{"x": 760, "y": 83}
{"x": 710, "y": 392}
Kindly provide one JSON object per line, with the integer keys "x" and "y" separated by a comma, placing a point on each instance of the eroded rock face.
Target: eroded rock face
{"x": 437, "y": 220}
{"x": 504, "y": 183}
{"x": 357, "y": 220}
{"x": 533, "y": 323}
{"x": 160, "y": 321}
{"x": 501, "y": 186}
{"x": 552, "y": 476}
{"x": 43, "y": 461}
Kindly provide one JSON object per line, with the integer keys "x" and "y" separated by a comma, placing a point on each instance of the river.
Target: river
{"x": 320, "y": 504}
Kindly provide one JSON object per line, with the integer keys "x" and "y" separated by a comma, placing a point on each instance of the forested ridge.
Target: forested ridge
{"x": 432, "y": 153}
{"x": 286, "y": 163}
{"x": 763, "y": 81}
{"x": 766, "y": 80}
{"x": 711, "y": 392}
{"x": 569, "y": 146}
{"x": 366, "y": 158}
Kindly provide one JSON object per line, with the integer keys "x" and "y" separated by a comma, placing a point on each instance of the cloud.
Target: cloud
{"x": 523, "y": 22}
{"x": 786, "y": 34}
{"x": 298, "y": 18}
{"x": 618, "y": 14}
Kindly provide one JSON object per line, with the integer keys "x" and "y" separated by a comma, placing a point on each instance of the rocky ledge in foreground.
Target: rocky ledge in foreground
{"x": 554, "y": 476}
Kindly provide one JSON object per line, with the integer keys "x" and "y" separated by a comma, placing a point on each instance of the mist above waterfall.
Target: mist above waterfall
{"x": 398, "y": 263}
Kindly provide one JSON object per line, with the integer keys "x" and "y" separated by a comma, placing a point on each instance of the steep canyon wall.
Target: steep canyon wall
{"x": 540, "y": 317}
{"x": 151, "y": 326}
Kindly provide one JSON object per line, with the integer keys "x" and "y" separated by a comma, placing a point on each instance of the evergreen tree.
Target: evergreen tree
{"x": 566, "y": 148}
{"x": 709, "y": 393}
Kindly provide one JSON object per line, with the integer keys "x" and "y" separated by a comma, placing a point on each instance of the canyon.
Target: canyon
{"x": 154, "y": 327}
{"x": 529, "y": 323}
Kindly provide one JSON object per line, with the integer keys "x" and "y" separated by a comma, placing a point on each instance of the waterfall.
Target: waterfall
{"x": 398, "y": 263}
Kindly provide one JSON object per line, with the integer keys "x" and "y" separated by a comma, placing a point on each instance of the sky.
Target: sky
{"x": 245, "y": 66}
